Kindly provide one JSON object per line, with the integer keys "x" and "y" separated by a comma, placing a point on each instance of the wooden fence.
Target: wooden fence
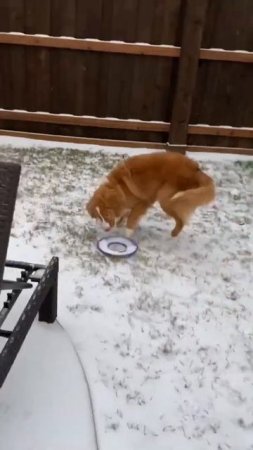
{"x": 128, "y": 72}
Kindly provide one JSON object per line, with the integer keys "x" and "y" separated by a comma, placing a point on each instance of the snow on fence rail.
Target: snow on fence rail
{"x": 128, "y": 48}
{"x": 123, "y": 124}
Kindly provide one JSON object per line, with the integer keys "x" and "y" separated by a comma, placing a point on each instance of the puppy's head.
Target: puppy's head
{"x": 106, "y": 205}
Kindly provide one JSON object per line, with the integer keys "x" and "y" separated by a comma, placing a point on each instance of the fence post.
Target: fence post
{"x": 193, "y": 26}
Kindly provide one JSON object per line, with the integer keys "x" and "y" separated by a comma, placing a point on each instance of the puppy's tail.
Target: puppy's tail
{"x": 185, "y": 202}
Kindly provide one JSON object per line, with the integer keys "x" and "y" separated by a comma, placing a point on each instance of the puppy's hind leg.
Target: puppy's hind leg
{"x": 168, "y": 207}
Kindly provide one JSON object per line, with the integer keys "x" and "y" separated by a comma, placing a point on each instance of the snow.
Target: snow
{"x": 42, "y": 144}
{"x": 228, "y": 127}
{"x": 165, "y": 337}
{"x": 116, "y": 119}
{"x": 45, "y": 394}
{"x": 119, "y": 42}
{"x": 50, "y": 37}
{"x": 23, "y": 111}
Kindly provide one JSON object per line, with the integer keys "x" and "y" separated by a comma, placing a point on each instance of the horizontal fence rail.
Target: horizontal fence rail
{"x": 125, "y": 144}
{"x": 85, "y": 121}
{"x": 136, "y": 48}
{"x": 122, "y": 124}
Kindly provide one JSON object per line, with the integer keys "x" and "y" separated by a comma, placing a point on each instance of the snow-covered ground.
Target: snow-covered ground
{"x": 44, "y": 403}
{"x": 165, "y": 337}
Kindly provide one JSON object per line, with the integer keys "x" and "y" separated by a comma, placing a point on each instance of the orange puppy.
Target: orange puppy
{"x": 134, "y": 185}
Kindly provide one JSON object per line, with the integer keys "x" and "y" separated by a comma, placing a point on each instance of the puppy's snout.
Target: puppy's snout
{"x": 104, "y": 226}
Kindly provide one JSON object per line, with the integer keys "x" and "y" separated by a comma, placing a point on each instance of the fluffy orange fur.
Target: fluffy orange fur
{"x": 134, "y": 185}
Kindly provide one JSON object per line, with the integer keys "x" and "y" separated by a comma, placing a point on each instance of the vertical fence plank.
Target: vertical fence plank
{"x": 37, "y": 20}
{"x": 12, "y": 81}
{"x": 36, "y": 63}
{"x": 165, "y": 30}
{"x": 88, "y": 21}
{"x": 62, "y": 23}
{"x": 191, "y": 41}
{"x": 121, "y": 66}
{"x": 140, "y": 92}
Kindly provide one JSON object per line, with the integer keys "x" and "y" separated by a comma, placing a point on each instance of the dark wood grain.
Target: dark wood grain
{"x": 187, "y": 71}
{"x": 107, "y": 79}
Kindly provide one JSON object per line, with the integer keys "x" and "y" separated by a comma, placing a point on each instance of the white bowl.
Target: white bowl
{"x": 117, "y": 246}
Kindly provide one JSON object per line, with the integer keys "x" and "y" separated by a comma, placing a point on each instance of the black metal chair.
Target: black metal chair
{"x": 43, "y": 300}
